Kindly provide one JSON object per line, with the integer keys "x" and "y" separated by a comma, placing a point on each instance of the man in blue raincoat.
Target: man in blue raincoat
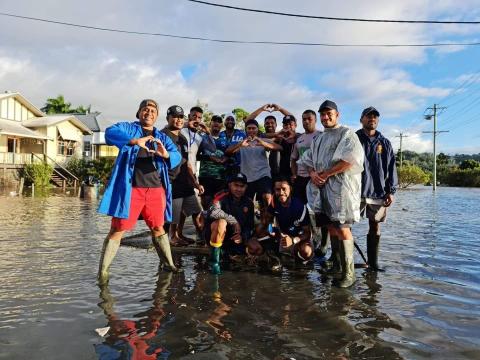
{"x": 139, "y": 184}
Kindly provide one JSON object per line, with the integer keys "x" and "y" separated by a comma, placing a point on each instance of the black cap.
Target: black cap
{"x": 238, "y": 177}
{"x": 369, "y": 110}
{"x": 175, "y": 110}
{"x": 217, "y": 118}
{"x": 252, "y": 122}
{"x": 328, "y": 105}
{"x": 289, "y": 118}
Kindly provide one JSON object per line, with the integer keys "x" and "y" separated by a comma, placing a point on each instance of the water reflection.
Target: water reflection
{"x": 136, "y": 339}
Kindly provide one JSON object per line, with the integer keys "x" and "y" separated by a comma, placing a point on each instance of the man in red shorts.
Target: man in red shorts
{"x": 139, "y": 184}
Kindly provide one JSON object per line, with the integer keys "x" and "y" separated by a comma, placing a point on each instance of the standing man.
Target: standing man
{"x": 182, "y": 178}
{"x": 379, "y": 180}
{"x": 288, "y": 136}
{"x": 335, "y": 163}
{"x": 254, "y": 163}
{"x": 139, "y": 184}
{"x": 228, "y": 137}
{"x": 300, "y": 177}
{"x": 197, "y": 134}
{"x": 212, "y": 165}
{"x": 229, "y": 221}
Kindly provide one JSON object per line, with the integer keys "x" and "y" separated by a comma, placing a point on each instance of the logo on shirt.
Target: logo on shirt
{"x": 379, "y": 148}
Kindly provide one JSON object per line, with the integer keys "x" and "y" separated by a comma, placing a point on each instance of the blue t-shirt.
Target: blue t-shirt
{"x": 291, "y": 219}
{"x": 224, "y": 142}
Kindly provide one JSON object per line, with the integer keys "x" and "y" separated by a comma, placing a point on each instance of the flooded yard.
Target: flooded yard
{"x": 426, "y": 305}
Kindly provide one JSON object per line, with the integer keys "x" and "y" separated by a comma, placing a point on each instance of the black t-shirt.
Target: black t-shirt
{"x": 145, "y": 174}
{"x": 179, "y": 177}
{"x": 285, "y": 168}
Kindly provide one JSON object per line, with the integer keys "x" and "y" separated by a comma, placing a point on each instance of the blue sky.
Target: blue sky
{"x": 113, "y": 72}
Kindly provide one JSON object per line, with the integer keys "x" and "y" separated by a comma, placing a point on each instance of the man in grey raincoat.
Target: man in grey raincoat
{"x": 335, "y": 164}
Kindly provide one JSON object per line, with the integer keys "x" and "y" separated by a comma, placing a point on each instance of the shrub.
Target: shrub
{"x": 38, "y": 174}
{"x": 409, "y": 175}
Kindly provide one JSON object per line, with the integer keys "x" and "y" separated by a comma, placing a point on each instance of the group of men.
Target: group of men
{"x": 336, "y": 173}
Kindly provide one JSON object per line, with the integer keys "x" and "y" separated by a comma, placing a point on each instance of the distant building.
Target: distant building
{"x": 94, "y": 145}
{"x": 27, "y": 135}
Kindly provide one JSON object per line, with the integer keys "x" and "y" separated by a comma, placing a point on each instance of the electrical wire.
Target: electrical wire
{"x": 233, "y": 41}
{"x": 337, "y": 18}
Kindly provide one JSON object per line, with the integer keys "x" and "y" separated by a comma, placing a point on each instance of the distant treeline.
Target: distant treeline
{"x": 452, "y": 170}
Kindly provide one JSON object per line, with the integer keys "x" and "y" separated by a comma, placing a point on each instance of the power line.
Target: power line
{"x": 467, "y": 83}
{"x": 231, "y": 41}
{"x": 337, "y": 18}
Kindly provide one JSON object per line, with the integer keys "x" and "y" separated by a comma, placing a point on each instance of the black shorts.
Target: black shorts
{"x": 300, "y": 188}
{"x": 212, "y": 186}
{"x": 259, "y": 187}
{"x": 322, "y": 220}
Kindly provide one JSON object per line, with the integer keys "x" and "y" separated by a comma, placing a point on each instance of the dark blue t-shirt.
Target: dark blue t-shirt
{"x": 291, "y": 219}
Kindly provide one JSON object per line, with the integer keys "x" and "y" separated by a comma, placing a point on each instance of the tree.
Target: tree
{"x": 469, "y": 164}
{"x": 58, "y": 105}
{"x": 409, "y": 175}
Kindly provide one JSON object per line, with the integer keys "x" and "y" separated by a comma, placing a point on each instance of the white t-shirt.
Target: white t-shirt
{"x": 303, "y": 144}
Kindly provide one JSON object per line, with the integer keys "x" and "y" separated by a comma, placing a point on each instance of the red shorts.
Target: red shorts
{"x": 150, "y": 202}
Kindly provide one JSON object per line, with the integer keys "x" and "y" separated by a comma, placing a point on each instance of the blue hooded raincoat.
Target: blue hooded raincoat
{"x": 116, "y": 199}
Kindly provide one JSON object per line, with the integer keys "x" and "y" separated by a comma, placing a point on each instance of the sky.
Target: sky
{"x": 113, "y": 72}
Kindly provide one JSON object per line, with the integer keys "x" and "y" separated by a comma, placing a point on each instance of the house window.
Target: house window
{"x": 61, "y": 147}
{"x": 87, "y": 146}
{"x": 70, "y": 149}
{"x": 10, "y": 145}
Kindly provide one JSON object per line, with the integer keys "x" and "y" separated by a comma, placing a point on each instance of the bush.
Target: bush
{"x": 409, "y": 175}
{"x": 463, "y": 177}
{"x": 38, "y": 174}
{"x": 92, "y": 171}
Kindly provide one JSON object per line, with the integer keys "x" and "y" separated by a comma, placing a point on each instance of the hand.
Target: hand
{"x": 286, "y": 241}
{"x": 293, "y": 178}
{"x": 275, "y": 107}
{"x": 200, "y": 189}
{"x": 204, "y": 128}
{"x": 161, "y": 151}
{"x": 245, "y": 142}
{"x": 142, "y": 142}
{"x": 388, "y": 200}
{"x": 316, "y": 179}
{"x": 237, "y": 233}
{"x": 267, "y": 107}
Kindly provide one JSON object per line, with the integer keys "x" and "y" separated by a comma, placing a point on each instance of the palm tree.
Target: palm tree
{"x": 59, "y": 106}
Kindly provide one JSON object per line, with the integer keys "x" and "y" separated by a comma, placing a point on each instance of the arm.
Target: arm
{"x": 392, "y": 179}
{"x": 281, "y": 109}
{"x": 193, "y": 179}
{"x": 119, "y": 135}
{"x": 248, "y": 227}
{"x": 232, "y": 149}
{"x": 257, "y": 112}
{"x": 208, "y": 144}
{"x": 215, "y": 212}
{"x": 321, "y": 178}
{"x": 293, "y": 162}
{"x": 169, "y": 151}
{"x": 269, "y": 145}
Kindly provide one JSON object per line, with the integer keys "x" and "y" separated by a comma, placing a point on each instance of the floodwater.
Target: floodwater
{"x": 426, "y": 304}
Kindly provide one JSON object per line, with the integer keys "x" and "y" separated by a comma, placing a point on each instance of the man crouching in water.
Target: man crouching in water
{"x": 229, "y": 221}
{"x": 139, "y": 184}
{"x": 292, "y": 234}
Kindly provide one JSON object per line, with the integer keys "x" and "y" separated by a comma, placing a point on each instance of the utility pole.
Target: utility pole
{"x": 401, "y": 136}
{"x": 434, "y": 132}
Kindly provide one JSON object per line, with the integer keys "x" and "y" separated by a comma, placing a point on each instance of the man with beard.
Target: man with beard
{"x": 182, "y": 177}
{"x": 291, "y": 232}
{"x": 139, "y": 184}
{"x": 197, "y": 135}
{"x": 228, "y": 137}
{"x": 335, "y": 164}
{"x": 300, "y": 177}
{"x": 379, "y": 180}
{"x": 254, "y": 163}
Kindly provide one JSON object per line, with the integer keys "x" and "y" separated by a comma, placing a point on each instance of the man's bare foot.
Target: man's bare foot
{"x": 177, "y": 241}
{"x": 186, "y": 239}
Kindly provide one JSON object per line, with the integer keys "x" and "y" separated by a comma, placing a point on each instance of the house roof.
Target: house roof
{"x": 56, "y": 119}
{"x": 15, "y": 128}
{"x": 95, "y": 121}
{"x": 36, "y": 111}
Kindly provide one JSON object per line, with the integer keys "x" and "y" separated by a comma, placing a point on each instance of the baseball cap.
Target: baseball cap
{"x": 238, "y": 177}
{"x": 144, "y": 103}
{"x": 328, "y": 105}
{"x": 217, "y": 118}
{"x": 288, "y": 118}
{"x": 175, "y": 110}
{"x": 252, "y": 122}
{"x": 369, "y": 110}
